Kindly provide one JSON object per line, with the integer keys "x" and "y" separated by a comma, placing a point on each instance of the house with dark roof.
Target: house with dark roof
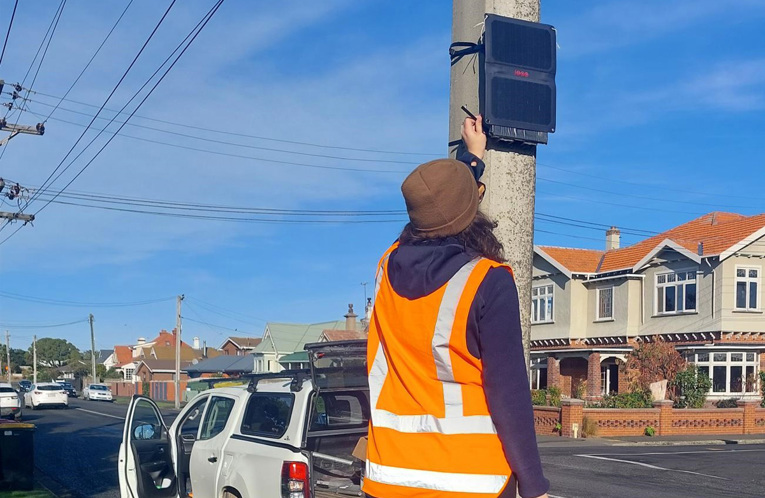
{"x": 239, "y": 346}
{"x": 697, "y": 286}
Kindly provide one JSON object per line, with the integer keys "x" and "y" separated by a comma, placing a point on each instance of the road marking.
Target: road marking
{"x": 710, "y": 450}
{"x": 554, "y": 496}
{"x": 99, "y": 413}
{"x": 655, "y": 467}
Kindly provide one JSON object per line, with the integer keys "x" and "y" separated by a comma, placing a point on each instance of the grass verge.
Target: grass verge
{"x": 38, "y": 492}
{"x": 161, "y": 404}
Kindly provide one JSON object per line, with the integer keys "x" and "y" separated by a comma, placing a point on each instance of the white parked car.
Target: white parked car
{"x": 10, "y": 402}
{"x": 46, "y": 394}
{"x": 290, "y": 434}
{"x": 97, "y": 392}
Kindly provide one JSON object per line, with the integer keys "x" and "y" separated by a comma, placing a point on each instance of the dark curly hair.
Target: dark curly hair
{"x": 478, "y": 237}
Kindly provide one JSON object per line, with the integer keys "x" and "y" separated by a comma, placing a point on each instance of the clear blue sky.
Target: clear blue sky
{"x": 660, "y": 119}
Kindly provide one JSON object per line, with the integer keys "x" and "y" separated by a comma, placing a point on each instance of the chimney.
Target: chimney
{"x": 204, "y": 348}
{"x": 141, "y": 340}
{"x": 368, "y": 309}
{"x": 196, "y": 343}
{"x": 612, "y": 238}
{"x": 350, "y": 319}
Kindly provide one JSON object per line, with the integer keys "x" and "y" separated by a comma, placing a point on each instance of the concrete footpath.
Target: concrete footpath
{"x": 684, "y": 440}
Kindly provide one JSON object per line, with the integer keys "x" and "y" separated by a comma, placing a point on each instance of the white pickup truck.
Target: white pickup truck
{"x": 288, "y": 435}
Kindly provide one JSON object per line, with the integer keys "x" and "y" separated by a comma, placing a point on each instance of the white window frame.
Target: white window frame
{"x": 599, "y": 318}
{"x": 129, "y": 374}
{"x": 748, "y": 280}
{"x": 549, "y": 292}
{"x": 710, "y": 363}
{"x": 675, "y": 284}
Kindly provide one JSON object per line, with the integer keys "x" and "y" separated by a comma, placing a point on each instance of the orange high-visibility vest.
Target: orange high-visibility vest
{"x": 431, "y": 434}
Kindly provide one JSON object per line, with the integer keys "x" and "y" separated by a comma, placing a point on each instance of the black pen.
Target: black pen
{"x": 467, "y": 111}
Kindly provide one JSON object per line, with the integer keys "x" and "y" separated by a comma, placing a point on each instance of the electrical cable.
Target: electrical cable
{"x": 98, "y": 50}
{"x": 8, "y": 33}
{"x": 247, "y": 135}
{"x": 114, "y": 90}
{"x": 79, "y": 304}
{"x": 47, "y": 326}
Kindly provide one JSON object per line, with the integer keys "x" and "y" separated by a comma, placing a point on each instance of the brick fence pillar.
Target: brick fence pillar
{"x": 750, "y": 411}
{"x": 665, "y": 417}
{"x": 553, "y": 373}
{"x": 594, "y": 379}
{"x": 571, "y": 415}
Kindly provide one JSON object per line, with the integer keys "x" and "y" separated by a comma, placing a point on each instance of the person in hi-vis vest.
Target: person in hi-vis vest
{"x": 451, "y": 413}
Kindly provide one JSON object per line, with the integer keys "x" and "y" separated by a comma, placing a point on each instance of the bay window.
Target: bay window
{"x": 731, "y": 373}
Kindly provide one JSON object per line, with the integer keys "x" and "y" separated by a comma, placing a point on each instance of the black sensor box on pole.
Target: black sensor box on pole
{"x": 517, "y": 88}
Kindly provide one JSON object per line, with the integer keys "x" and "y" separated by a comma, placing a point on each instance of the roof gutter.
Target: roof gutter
{"x": 613, "y": 277}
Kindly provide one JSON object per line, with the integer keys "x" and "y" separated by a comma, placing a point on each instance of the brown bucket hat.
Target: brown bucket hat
{"x": 441, "y": 197}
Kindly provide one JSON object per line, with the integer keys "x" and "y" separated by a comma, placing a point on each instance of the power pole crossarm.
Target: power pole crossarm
{"x": 17, "y": 216}
{"x": 38, "y": 129}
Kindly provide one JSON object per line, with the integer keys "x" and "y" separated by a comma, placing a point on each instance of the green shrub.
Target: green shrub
{"x": 692, "y": 386}
{"x": 650, "y": 431}
{"x": 634, "y": 399}
{"x": 581, "y": 390}
{"x": 146, "y": 389}
{"x": 727, "y": 403}
{"x": 762, "y": 387}
{"x": 558, "y": 427}
{"x": 539, "y": 397}
{"x": 554, "y": 395}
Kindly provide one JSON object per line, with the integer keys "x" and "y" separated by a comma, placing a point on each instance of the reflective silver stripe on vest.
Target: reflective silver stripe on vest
{"x": 442, "y": 337}
{"x": 454, "y": 422}
{"x": 438, "y": 481}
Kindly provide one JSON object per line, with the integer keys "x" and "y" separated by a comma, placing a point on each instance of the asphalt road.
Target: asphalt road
{"x": 76, "y": 452}
{"x": 76, "y": 448}
{"x": 655, "y": 471}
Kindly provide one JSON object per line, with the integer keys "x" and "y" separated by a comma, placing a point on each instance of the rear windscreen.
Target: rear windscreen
{"x": 267, "y": 414}
{"x": 6, "y": 390}
{"x": 340, "y": 410}
{"x": 50, "y": 388}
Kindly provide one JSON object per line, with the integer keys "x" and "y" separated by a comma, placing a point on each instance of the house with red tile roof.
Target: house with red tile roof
{"x": 239, "y": 346}
{"x": 697, "y": 286}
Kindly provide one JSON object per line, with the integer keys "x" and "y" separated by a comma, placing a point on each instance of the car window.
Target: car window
{"x": 216, "y": 417}
{"x": 98, "y": 388}
{"x": 146, "y": 423}
{"x": 340, "y": 410}
{"x": 49, "y": 388}
{"x": 6, "y": 390}
{"x": 190, "y": 425}
{"x": 267, "y": 414}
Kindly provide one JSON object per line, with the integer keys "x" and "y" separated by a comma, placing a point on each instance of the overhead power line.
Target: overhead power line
{"x": 92, "y": 58}
{"x": 43, "y": 326}
{"x": 8, "y": 33}
{"x": 248, "y": 135}
{"x": 80, "y": 304}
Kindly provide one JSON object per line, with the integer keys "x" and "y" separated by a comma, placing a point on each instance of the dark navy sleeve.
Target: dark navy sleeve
{"x": 499, "y": 341}
{"x": 476, "y": 165}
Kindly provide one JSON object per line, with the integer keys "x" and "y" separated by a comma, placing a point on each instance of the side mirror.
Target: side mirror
{"x": 144, "y": 431}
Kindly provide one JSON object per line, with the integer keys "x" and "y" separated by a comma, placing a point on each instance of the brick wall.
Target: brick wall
{"x": 122, "y": 389}
{"x": 545, "y": 419}
{"x": 749, "y": 418}
{"x": 628, "y": 422}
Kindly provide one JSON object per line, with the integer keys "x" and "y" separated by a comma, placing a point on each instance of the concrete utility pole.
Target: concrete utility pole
{"x": 8, "y": 354}
{"x": 34, "y": 360}
{"x": 510, "y": 175}
{"x": 178, "y": 354}
{"x": 92, "y": 348}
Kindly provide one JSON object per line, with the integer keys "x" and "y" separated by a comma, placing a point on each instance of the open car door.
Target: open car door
{"x": 146, "y": 467}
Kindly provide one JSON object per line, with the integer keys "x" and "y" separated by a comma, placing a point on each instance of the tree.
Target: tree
{"x": 693, "y": 386}
{"x": 651, "y": 362}
{"x": 55, "y": 352}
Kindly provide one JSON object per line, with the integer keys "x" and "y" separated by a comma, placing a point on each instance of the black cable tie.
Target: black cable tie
{"x": 458, "y": 50}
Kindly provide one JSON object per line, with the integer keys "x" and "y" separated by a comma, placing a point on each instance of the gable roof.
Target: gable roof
{"x": 292, "y": 337}
{"x": 243, "y": 342}
{"x": 123, "y": 355}
{"x": 341, "y": 335}
{"x": 224, "y": 364}
{"x": 103, "y": 354}
{"x": 718, "y": 233}
{"x": 161, "y": 365}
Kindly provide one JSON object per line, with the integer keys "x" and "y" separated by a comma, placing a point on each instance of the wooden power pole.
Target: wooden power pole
{"x": 178, "y": 354}
{"x": 510, "y": 175}
{"x": 34, "y": 360}
{"x": 92, "y": 349}
{"x": 8, "y": 354}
